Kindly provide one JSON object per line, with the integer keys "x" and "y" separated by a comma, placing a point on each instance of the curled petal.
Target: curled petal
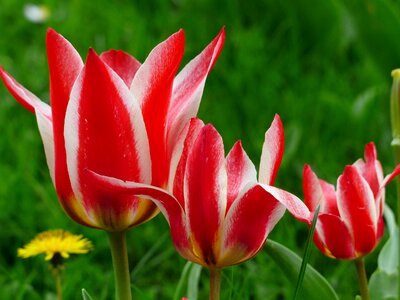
{"x": 272, "y": 152}
{"x": 25, "y": 97}
{"x": 167, "y": 203}
{"x": 294, "y": 205}
{"x": 357, "y": 209}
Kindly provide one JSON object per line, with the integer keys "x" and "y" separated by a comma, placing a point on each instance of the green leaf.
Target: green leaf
{"x": 179, "y": 288}
{"x": 315, "y": 286}
{"x": 383, "y": 286}
{"x": 85, "y": 295}
{"x": 307, "y": 253}
{"x": 383, "y": 283}
{"x": 193, "y": 282}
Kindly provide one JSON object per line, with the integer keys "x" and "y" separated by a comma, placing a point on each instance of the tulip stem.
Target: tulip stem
{"x": 215, "y": 284}
{"x": 362, "y": 278}
{"x": 121, "y": 265}
{"x": 395, "y": 120}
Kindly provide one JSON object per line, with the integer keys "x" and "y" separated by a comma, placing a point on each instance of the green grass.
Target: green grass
{"x": 319, "y": 69}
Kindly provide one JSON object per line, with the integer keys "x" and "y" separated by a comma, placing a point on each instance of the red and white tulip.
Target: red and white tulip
{"x": 117, "y": 117}
{"x": 219, "y": 214}
{"x": 350, "y": 223}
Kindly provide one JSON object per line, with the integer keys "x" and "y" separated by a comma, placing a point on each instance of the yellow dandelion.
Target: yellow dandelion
{"x": 55, "y": 243}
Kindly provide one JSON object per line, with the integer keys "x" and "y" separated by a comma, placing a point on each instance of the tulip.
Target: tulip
{"x": 219, "y": 215}
{"x": 115, "y": 116}
{"x": 350, "y": 223}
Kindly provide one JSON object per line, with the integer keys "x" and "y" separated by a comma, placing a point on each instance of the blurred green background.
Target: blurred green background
{"x": 323, "y": 66}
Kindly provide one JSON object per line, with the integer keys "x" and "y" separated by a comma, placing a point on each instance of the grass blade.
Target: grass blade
{"x": 307, "y": 253}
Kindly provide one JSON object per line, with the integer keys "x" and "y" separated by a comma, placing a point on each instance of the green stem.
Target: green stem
{"x": 121, "y": 265}
{"x": 57, "y": 276}
{"x": 395, "y": 120}
{"x": 362, "y": 278}
{"x": 215, "y": 284}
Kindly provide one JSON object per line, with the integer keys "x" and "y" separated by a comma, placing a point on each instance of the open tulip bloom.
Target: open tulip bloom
{"x": 117, "y": 117}
{"x": 219, "y": 214}
{"x": 350, "y": 223}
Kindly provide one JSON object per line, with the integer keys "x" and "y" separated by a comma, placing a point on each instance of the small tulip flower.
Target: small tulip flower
{"x": 117, "y": 117}
{"x": 350, "y": 223}
{"x": 219, "y": 214}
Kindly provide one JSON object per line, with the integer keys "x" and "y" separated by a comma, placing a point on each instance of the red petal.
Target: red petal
{"x": 64, "y": 67}
{"x": 240, "y": 171}
{"x": 313, "y": 193}
{"x": 333, "y": 232}
{"x": 179, "y": 158}
{"x": 122, "y": 63}
{"x": 205, "y": 191}
{"x": 25, "y": 97}
{"x": 272, "y": 152}
{"x": 188, "y": 88}
{"x": 46, "y": 132}
{"x": 167, "y": 203}
{"x": 250, "y": 219}
{"x": 357, "y": 209}
{"x": 294, "y": 205}
{"x": 152, "y": 87}
{"x": 106, "y": 134}
{"x": 371, "y": 170}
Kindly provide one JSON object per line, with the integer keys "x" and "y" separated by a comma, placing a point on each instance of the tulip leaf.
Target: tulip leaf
{"x": 193, "y": 282}
{"x": 383, "y": 286}
{"x": 383, "y": 283}
{"x": 85, "y": 295}
{"x": 182, "y": 279}
{"x": 315, "y": 286}
{"x": 307, "y": 253}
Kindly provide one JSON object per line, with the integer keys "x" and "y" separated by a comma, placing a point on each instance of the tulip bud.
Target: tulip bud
{"x": 395, "y": 108}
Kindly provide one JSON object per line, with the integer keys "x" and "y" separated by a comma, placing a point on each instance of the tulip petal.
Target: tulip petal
{"x": 152, "y": 87}
{"x": 252, "y": 216}
{"x": 188, "y": 88}
{"x": 272, "y": 152}
{"x": 205, "y": 191}
{"x": 64, "y": 67}
{"x": 106, "y": 134}
{"x": 46, "y": 132}
{"x": 122, "y": 63}
{"x": 334, "y": 236}
{"x": 357, "y": 209}
{"x": 25, "y": 97}
{"x": 317, "y": 191}
{"x": 294, "y": 205}
{"x": 168, "y": 204}
{"x": 240, "y": 171}
{"x": 179, "y": 158}
{"x": 371, "y": 169}
{"x": 313, "y": 193}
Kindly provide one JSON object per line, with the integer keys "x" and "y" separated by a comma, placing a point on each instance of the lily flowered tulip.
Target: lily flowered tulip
{"x": 117, "y": 117}
{"x": 219, "y": 214}
{"x": 350, "y": 223}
